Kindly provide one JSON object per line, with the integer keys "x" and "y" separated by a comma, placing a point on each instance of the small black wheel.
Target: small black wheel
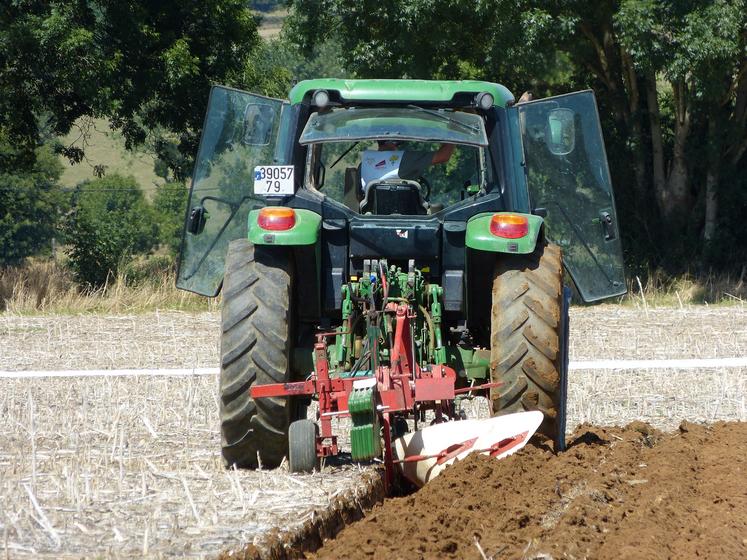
{"x": 302, "y": 446}
{"x": 399, "y": 427}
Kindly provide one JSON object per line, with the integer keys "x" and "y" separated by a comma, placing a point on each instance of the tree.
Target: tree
{"x": 170, "y": 205}
{"x": 111, "y": 220}
{"x": 29, "y": 205}
{"x": 139, "y": 63}
{"x": 670, "y": 78}
{"x": 692, "y": 56}
{"x": 430, "y": 39}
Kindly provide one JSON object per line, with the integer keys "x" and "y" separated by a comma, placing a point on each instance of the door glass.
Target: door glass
{"x": 239, "y": 133}
{"x": 567, "y": 174}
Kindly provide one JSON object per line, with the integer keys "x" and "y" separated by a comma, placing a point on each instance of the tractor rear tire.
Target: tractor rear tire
{"x": 527, "y": 337}
{"x": 255, "y": 346}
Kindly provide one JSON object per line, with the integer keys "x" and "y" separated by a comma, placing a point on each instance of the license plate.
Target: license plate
{"x": 272, "y": 180}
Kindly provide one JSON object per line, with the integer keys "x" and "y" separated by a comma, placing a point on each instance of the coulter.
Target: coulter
{"x": 390, "y": 248}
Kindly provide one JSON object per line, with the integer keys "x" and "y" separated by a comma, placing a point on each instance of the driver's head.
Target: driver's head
{"x": 388, "y": 145}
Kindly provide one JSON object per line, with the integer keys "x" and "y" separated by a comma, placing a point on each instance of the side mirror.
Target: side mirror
{"x": 196, "y": 220}
{"x": 257, "y": 127}
{"x": 560, "y": 131}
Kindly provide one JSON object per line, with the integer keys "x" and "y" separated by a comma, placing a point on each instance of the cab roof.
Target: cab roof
{"x": 405, "y": 91}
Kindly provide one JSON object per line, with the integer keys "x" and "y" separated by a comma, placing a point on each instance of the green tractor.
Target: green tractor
{"x": 390, "y": 247}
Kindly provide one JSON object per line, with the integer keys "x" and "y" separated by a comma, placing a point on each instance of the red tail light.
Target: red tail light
{"x": 276, "y": 218}
{"x": 509, "y": 226}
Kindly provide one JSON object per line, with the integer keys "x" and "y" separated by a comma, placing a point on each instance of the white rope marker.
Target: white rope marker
{"x": 183, "y": 372}
{"x": 695, "y": 363}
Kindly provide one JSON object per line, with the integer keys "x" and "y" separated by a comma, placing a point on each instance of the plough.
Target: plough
{"x": 395, "y": 387}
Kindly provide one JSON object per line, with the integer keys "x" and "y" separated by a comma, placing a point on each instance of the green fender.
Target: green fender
{"x": 479, "y": 237}
{"x": 304, "y": 232}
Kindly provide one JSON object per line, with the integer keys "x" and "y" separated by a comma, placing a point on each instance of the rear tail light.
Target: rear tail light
{"x": 509, "y": 226}
{"x": 276, "y": 218}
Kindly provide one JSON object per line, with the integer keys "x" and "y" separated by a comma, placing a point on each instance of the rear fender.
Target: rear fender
{"x": 304, "y": 232}
{"x": 479, "y": 237}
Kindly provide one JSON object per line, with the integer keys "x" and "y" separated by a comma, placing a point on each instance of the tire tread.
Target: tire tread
{"x": 255, "y": 345}
{"x": 525, "y": 334}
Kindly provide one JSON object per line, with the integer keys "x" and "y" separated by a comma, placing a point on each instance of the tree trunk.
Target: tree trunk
{"x": 657, "y": 144}
{"x": 711, "y": 209}
{"x": 712, "y": 176}
{"x": 614, "y": 67}
{"x": 674, "y": 207}
{"x": 630, "y": 78}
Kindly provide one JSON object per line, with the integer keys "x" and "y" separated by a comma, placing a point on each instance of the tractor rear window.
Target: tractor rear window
{"x": 347, "y": 171}
{"x": 411, "y": 123}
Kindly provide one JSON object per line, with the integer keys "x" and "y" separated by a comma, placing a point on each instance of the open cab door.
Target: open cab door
{"x": 567, "y": 174}
{"x": 239, "y": 133}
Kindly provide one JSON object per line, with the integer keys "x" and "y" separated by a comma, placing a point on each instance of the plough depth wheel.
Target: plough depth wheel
{"x": 302, "y": 446}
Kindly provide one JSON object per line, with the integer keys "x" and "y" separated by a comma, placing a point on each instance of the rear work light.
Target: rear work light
{"x": 509, "y": 226}
{"x": 276, "y": 218}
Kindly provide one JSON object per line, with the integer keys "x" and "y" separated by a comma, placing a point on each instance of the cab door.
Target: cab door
{"x": 239, "y": 133}
{"x": 567, "y": 174}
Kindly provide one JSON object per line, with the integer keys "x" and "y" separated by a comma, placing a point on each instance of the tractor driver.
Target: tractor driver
{"x": 390, "y": 162}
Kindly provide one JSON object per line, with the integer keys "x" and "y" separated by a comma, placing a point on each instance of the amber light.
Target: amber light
{"x": 275, "y": 218}
{"x": 509, "y": 226}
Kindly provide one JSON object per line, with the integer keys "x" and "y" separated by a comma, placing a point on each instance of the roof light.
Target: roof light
{"x": 321, "y": 98}
{"x": 276, "y": 218}
{"x": 484, "y": 100}
{"x": 509, "y": 226}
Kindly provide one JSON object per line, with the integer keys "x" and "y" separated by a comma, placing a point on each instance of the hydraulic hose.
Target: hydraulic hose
{"x": 431, "y": 331}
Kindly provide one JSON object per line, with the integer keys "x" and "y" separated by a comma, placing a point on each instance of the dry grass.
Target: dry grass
{"x": 663, "y": 397}
{"x": 46, "y": 286}
{"x": 150, "y": 340}
{"x": 272, "y": 23}
{"x": 658, "y": 289}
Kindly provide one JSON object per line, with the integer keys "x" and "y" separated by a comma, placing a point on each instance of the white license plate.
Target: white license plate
{"x": 272, "y": 180}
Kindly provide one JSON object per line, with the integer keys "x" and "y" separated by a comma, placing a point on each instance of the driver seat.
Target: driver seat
{"x": 393, "y": 196}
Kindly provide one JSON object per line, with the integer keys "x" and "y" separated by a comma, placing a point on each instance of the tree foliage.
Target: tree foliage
{"x": 110, "y": 221}
{"x": 170, "y": 206}
{"x": 139, "y": 63}
{"x": 30, "y": 203}
{"x": 670, "y": 78}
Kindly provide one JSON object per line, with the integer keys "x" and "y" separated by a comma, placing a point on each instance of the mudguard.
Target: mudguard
{"x": 478, "y": 235}
{"x": 304, "y": 232}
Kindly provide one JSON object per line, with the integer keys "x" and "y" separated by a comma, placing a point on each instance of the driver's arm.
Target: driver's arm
{"x": 443, "y": 154}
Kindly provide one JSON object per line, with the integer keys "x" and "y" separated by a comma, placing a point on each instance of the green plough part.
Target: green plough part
{"x": 365, "y": 442}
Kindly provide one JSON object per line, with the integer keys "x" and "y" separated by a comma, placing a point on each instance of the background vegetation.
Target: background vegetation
{"x": 670, "y": 79}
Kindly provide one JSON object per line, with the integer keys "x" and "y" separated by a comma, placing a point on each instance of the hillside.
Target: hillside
{"x": 106, "y": 147}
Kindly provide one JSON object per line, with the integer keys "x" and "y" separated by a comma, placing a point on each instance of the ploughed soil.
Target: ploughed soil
{"x": 627, "y": 493}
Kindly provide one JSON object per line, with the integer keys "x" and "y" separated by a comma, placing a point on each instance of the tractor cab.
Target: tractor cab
{"x": 359, "y": 155}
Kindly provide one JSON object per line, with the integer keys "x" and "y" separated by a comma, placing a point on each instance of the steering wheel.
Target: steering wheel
{"x": 426, "y": 185}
